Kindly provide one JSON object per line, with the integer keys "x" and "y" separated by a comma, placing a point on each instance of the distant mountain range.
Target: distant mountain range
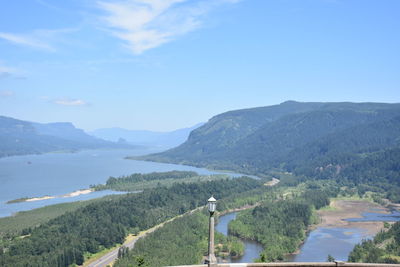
{"x": 19, "y": 137}
{"x": 289, "y": 135}
{"x": 146, "y": 138}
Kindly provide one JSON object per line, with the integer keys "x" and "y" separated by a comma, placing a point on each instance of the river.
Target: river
{"x": 321, "y": 242}
{"x": 252, "y": 248}
{"x": 57, "y": 174}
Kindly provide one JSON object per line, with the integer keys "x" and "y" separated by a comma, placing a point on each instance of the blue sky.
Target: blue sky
{"x": 168, "y": 64}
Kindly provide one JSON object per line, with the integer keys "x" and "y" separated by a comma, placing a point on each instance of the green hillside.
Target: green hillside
{"x": 254, "y": 140}
{"x": 314, "y": 140}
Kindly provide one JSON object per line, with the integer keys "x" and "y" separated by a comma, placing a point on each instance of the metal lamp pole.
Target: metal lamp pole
{"x": 212, "y": 260}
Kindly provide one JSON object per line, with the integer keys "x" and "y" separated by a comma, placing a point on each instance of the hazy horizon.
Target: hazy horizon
{"x": 180, "y": 128}
{"x": 165, "y": 65}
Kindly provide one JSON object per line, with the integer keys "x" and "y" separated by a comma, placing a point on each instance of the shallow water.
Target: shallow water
{"x": 337, "y": 242}
{"x": 377, "y": 217}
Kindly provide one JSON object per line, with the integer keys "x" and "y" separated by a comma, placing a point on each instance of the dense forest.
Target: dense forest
{"x": 384, "y": 248}
{"x": 140, "y": 177}
{"x": 66, "y": 239}
{"x": 183, "y": 241}
{"x": 378, "y": 171}
{"x": 139, "y": 181}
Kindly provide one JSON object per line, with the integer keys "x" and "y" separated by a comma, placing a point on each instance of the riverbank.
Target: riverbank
{"x": 72, "y": 194}
{"x": 340, "y": 210}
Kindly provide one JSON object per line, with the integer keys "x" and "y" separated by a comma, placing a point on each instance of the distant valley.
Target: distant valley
{"x": 163, "y": 140}
{"x": 18, "y": 137}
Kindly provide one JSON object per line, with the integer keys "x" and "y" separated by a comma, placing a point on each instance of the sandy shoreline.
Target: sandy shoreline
{"x": 346, "y": 209}
{"x": 38, "y": 198}
{"x": 78, "y": 192}
{"x": 72, "y": 194}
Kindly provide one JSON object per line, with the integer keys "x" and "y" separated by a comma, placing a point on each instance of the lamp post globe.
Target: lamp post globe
{"x": 212, "y": 204}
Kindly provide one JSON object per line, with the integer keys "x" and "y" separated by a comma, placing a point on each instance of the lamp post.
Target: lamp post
{"x": 212, "y": 260}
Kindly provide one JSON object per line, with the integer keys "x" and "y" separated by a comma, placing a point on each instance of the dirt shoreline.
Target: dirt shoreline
{"x": 346, "y": 209}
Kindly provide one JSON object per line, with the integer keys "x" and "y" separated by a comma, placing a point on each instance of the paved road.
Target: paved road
{"x": 110, "y": 257}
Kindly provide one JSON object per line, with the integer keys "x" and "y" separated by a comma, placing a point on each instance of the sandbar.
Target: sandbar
{"x": 346, "y": 209}
{"x": 39, "y": 198}
{"x": 78, "y": 192}
{"x": 72, "y": 194}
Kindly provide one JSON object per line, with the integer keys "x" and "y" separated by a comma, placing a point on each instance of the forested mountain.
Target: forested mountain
{"x": 286, "y": 135}
{"x": 19, "y": 137}
{"x": 146, "y": 138}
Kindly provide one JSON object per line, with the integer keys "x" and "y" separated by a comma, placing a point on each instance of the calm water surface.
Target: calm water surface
{"x": 252, "y": 248}
{"x": 339, "y": 242}
{"x": 57, "y": 174}
{"x": 321, "y": 242}
{"x": 394, "y": 216}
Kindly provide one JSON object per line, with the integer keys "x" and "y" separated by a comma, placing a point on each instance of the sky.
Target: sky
{"x": 168, "y": 64}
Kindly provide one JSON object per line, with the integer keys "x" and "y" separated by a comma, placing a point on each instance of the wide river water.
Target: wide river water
{"x": 57, "y": 174}
{"x": 321, "y": 242}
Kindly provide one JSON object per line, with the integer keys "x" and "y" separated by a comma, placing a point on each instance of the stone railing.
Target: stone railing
{"x": 296, "y": 264}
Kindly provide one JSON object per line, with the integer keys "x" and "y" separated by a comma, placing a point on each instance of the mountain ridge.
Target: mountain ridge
{"x": 18, "y": 137}
{"x": 258, "y": 139}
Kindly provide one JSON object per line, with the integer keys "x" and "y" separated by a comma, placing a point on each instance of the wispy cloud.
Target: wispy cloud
{"x": 146, "y": 24}
{"x": 6, "y": 93}
{"x": 70, "y": 102}
{"x": 7, "y": 71}
{"x": 38, "y": 39}
{"x": 25, "y": 40}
